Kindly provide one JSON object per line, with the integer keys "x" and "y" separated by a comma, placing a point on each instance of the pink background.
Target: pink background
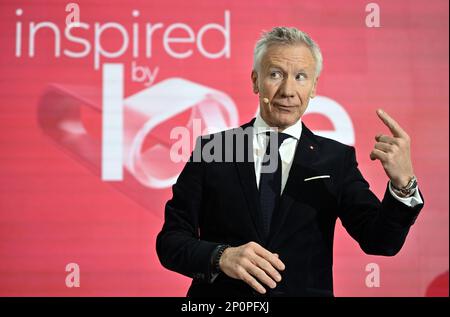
{"x": 55, "y": 209}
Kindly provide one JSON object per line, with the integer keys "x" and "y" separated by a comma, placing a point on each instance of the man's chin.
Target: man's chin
{"x": 284, "y": 123}
{"x": 281, "y": 120}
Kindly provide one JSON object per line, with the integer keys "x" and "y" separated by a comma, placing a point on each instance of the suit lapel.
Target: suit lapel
{"x": 304, "y": 158}
{"x": 247, "y": 177}
{"x": 250, "y": 189}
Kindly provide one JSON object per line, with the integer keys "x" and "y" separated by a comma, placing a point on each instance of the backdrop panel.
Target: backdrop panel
{"x": 88, "y": 106}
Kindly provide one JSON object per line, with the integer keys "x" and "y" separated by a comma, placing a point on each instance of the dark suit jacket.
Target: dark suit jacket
{"x": 218, "y": 203}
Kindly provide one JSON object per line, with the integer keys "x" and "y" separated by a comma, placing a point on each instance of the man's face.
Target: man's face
{"x": 287, "y": 78}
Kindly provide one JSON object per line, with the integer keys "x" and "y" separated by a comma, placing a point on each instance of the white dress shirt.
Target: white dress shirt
{"x": 287, "y": 152}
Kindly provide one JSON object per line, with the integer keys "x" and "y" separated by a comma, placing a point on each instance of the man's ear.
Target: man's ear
{"x": 313, "y": 90}
{"x": 255, "y": 81}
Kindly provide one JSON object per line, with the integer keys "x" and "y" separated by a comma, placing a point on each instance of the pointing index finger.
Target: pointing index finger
{"x": 393, "y": 126}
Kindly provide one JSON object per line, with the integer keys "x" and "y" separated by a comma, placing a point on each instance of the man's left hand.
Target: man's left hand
{"x": 394, "y": 152}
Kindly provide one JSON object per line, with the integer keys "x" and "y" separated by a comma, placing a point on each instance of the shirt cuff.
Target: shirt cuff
{"x": 412, "y": 201}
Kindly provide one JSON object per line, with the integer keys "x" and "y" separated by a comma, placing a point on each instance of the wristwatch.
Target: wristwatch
{"x": 406, "y": 191}
{"x": 216, "y": 258}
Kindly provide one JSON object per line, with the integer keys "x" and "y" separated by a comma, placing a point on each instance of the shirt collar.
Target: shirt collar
{"x": 261, "y": 126}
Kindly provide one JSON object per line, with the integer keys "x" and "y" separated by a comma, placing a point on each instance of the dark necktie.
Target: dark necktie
{"x": 270, "y": 182}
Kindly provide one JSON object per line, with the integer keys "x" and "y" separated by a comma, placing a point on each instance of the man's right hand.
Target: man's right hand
{"x": 253, "y": 264}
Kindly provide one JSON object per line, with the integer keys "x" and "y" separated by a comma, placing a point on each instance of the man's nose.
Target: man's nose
{"x": 287, "y": 89}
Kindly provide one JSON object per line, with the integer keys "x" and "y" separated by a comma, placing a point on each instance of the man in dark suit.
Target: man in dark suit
{"x": 253, "y": 211}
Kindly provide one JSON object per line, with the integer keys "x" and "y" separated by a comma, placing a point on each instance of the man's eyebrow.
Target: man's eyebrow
{"x": 300, "y": 70}
{"x": 275, "y": 66}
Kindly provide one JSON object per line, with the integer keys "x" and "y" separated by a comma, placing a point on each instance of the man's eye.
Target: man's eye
{"x": 275, "y": 75}
{"x": 301, "y": 77}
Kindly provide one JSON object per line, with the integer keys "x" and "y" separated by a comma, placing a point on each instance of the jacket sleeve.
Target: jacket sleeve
{"x": 380, "y": 228}
{"x": 178, "y": 245}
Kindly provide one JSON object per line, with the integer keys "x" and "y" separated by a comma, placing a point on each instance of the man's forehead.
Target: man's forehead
{"x": 298, "y": 53}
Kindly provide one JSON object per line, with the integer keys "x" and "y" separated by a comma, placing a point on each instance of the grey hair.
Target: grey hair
{"x": 281, "y": 35}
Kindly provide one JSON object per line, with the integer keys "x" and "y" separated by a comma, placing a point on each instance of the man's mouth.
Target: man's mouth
{"x": 283, "y": 106}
